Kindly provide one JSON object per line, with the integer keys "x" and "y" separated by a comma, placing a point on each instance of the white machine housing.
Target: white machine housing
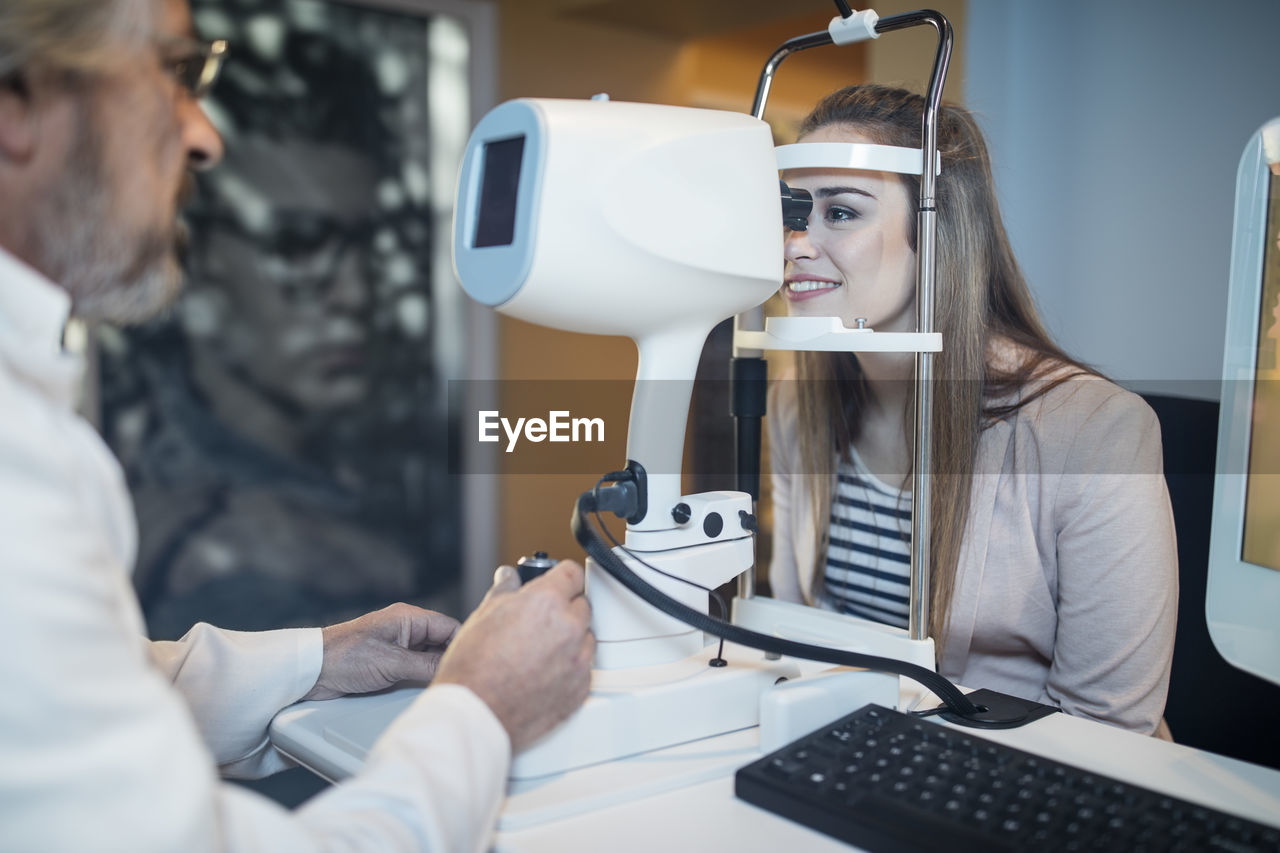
{"x": 667, "y": 221}
{"x": 680, "y": 203}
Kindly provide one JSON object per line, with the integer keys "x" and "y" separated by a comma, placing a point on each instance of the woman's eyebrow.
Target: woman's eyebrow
{"x": 828, "y": 192}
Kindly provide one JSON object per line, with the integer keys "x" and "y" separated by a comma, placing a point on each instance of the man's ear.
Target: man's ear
{"x": 18, "y": 119}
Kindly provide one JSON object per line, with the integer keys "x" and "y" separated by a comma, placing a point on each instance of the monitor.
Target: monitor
{"x": 1242, "y": 603}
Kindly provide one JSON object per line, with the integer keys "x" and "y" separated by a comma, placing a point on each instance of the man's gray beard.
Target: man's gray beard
{"x": 113, "y": 274}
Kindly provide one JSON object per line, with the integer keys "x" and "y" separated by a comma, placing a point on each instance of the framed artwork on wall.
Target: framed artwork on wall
{"x": 284, "y": 430}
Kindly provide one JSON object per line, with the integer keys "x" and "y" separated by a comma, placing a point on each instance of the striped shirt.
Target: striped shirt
{"x": 868, "y": 553}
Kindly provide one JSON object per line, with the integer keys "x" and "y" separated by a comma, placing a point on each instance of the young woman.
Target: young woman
{"x": 1054, "y": 569}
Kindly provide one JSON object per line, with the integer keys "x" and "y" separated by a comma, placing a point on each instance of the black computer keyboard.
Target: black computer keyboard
{"x": 887, "y": 781}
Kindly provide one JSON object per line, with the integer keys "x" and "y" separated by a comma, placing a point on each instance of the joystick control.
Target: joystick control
{"x": 530, "y": 567}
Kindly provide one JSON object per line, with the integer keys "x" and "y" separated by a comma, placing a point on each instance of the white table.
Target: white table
{"x": 681, "y": 798}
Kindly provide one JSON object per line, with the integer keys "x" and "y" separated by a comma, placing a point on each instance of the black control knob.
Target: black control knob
{"x": 712, "y": 525}
{"x": 747, "y": 520}
{"x": 530, "y": 567}
{"x": 681, "y": 513}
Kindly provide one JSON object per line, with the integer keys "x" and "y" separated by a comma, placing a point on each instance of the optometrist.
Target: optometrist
{"x": 111, "y": 742}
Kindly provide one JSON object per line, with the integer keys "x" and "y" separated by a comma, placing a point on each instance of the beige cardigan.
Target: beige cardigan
{"x": 1067, "y": 584}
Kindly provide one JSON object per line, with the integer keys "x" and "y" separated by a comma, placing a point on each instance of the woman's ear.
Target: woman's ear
{"x": 17, "y": 118}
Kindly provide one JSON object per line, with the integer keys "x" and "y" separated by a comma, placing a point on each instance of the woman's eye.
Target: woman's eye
{"x": 837, "y": 213}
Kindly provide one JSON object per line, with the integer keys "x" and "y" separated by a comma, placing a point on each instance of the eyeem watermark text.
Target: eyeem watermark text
{"x": 559, "y": 426}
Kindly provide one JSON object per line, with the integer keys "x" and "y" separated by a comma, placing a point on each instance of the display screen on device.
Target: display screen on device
{"x": 1262, "y": 494}
{"x": 499, "y": 182}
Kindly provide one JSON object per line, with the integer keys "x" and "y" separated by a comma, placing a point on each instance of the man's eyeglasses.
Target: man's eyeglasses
{"x": 194, "y": 64}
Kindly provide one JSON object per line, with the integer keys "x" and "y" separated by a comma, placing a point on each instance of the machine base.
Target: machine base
{"x": 632, "y": 711}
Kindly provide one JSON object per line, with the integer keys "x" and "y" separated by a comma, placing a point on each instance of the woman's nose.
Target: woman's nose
{"x": 798, "y": 244}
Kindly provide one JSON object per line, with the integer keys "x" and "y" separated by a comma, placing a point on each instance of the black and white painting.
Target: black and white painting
{"x": 285, "y": 430}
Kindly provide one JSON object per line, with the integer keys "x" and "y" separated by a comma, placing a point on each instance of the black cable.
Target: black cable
{"x": 929, "y": 712}
{"x": 843, "y": 8}
{"x": 606, "y": 559}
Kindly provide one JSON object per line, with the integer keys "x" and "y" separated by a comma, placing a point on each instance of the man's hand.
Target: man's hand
{"x": 381, "y": 649}
{"x": 526, "y": 651}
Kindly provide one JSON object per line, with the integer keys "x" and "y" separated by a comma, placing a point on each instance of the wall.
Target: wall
{"x": 905, "y": 58}
{"x": 1116, "y": 130}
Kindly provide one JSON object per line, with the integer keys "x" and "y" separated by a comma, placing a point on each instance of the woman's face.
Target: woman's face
{"x": 855, "y": 260}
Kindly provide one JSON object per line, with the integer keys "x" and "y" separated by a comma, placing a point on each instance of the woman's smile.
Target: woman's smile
{"x": 800, "y": 288}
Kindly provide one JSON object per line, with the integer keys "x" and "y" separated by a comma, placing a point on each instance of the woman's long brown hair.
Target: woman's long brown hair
{"x": 981, "y": 296}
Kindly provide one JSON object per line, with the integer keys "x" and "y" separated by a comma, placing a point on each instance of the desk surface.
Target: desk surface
{"x": 707, "y": 816}
{"x": 682, "y": 798}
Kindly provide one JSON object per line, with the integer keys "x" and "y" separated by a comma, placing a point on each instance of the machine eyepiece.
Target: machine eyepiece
{"x": 796, "y": 206}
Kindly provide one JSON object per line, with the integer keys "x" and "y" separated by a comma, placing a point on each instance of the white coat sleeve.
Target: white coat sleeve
{"x": 234, "y": 682}
{"x": 99, "y": 752}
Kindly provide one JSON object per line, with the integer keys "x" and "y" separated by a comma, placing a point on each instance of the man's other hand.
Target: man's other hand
{"x": 381, "y": 649}
{"x": 527, "y": 651}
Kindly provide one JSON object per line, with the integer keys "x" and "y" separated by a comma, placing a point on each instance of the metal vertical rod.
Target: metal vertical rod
{"x": 926, "y": 260}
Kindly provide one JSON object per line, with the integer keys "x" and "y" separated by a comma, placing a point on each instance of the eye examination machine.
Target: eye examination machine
{"x": 683, "y": 209}
{"x": 657, "y": 223}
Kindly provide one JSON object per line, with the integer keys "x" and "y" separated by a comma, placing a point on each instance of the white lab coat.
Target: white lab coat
{"x": 111, "y": 742}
